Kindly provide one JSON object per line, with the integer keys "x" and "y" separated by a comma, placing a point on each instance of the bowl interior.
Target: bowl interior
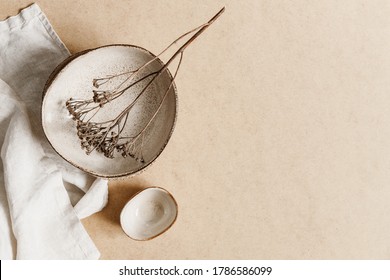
{"x": 148, "y": 214}
{"x": 75, "y": 81}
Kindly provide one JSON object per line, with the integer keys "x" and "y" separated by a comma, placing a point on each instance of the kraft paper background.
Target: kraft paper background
{"x": 282, "y": 145}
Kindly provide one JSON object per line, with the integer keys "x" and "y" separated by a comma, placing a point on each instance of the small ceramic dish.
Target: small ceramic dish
{"x": 73, "y": 79}
{"x": 148, "y": 214}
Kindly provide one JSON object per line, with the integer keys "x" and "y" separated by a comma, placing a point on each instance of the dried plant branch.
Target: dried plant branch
{"x": 106, "y": 137}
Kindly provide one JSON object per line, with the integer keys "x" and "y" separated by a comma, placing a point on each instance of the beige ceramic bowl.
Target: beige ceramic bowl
{"x": 73, "y": 78}
{"x": 148, "y": 214}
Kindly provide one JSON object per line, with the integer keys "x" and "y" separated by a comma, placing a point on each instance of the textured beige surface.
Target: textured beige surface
{"x": 282, "y": 146}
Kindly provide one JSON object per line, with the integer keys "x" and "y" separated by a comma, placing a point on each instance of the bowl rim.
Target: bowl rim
{"x": 138, "y": 193}
{"x": 60, "y": 67}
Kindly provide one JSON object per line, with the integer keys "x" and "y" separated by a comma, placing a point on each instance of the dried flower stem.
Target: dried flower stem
{"x": 106, "y": 137}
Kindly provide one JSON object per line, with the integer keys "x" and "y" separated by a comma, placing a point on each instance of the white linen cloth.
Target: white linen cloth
{"x": 37, "y": 218}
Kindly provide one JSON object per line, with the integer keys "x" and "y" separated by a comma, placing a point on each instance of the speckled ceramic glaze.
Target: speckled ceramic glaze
{"x": 74, "y": 79}
{"x": 148, "y": 214}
